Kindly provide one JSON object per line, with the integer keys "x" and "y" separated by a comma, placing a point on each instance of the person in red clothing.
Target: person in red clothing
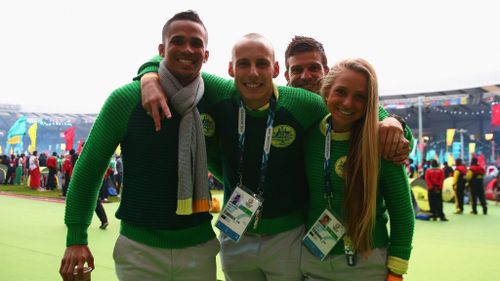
{"x": 68, "y": 164}
{"x": 475, "y": 177}
{"x": 434, "y": 178}
{"x": 34, "y": 167}
{"x": 52, "y": 165}
{"x": 459, "y": 185}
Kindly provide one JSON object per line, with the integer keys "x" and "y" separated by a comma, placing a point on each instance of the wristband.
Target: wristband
{"x": 153, "y": 75}
{"x": 394, "y": 277}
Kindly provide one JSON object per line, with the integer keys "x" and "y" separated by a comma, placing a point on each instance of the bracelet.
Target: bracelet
{"x": 400, "y": 119}
{"x": 394, "y": 277}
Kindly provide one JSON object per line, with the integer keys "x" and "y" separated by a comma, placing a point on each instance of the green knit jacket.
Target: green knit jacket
{"x": 285, "y": 187}
{"x": 149, "y": 198}
{"x": 393, "y": 193}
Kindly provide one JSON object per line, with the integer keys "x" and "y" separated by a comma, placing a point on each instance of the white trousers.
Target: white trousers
{"x": 335, "y": 268}
{"x": 135, "y": 261}
{"x": 256, "y": 257}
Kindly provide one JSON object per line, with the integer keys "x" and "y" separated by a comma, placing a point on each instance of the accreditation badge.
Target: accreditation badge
{"x": 324, "y": 234}
{"x": 239, "y": 210}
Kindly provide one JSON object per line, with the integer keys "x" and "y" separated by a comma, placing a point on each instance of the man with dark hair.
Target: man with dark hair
{"x": 306, "y": 63}
{"x": 165, "y": 231}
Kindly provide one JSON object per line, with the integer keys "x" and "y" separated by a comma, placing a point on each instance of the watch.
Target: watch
{"x": 400, "y": 119}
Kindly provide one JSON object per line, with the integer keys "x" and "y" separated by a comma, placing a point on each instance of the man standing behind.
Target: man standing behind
{"x": 434, "y": 178}
{"x": 306, "y": 64}
{"x": 166, "y": 230}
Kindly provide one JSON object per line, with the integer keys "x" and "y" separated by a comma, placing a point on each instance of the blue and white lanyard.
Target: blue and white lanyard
{"x": 265, "y": 153}
{"x": 326, "y": 164}
{"x": 267, "y": 142}
{"x": 348, "y": 250}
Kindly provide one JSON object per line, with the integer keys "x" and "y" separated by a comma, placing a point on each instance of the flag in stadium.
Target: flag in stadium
{"x": 495, "y": 115}
{"x": 17, "y": 131}
{"x": 69, "y": 136}
{"x": 450, "y": 133}
{"x": 80, "y": 146}
{"x": 32, "y": 135}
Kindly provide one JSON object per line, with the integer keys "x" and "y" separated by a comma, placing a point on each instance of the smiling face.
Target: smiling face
{"x": 347, "y": 99}
{"x": 305, "y": 71}
{"x": 253, "y": 68}
{"x": 184, "y": 48}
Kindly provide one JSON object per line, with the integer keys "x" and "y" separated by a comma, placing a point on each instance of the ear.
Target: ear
{"x": 276, "y": 69}
{"x": 205, "y": 57}
{"x": 230, "y": 69}
{"x": 161, "y": 49}
{"x": 287, "y": 77}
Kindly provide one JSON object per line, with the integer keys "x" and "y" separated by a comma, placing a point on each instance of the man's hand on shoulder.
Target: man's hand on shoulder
{"x": 153, "y": 99}
{"x": 394, "y": 146}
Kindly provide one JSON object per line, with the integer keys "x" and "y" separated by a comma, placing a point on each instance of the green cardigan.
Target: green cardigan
{"x": 149, "y": 198}
{"x": 393, "y": 193}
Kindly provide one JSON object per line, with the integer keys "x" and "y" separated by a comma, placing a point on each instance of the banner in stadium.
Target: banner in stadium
{"x": 69, "y": 136}
{"x": 17, "y": 129}
{"x": 32, "y": 135}
{"x": 495, "y": 115}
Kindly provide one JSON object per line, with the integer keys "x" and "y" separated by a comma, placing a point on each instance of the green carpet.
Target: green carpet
{"x": 32, "y": 241}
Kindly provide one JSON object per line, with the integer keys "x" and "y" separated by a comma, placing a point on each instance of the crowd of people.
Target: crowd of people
{"x": 468, "y": 183}
{"x": 48, "y": 173}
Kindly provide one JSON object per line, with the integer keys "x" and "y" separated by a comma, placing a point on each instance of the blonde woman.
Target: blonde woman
{"x": 348, "y": 178}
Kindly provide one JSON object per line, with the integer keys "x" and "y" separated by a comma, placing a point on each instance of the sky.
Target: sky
{"x": 68, "y": 56}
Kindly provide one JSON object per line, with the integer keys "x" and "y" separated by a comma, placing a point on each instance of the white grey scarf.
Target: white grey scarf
{"x": 192, "y": 187}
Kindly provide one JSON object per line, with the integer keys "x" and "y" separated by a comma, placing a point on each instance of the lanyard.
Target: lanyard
{"x": 348, "y": 250}
{"x": 326, "y": 164}
{"x": 267, "y": 142}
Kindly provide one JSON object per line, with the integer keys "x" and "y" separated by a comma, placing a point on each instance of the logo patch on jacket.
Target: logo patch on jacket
{"x": 208, "y": 124}
{"x": 339, "y": 166}
{"x": 283, "y": 136}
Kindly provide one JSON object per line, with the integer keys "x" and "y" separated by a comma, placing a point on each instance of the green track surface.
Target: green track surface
{"x": 32, "y": 241}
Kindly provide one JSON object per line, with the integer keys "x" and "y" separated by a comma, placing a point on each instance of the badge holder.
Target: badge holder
{"x": 238, "y": 212}
{"x": 349, "y": 252}
{"x": 324, "y": 235}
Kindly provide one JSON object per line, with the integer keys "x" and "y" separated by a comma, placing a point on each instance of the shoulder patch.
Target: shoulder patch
{"x": 339, "y": 166}
{"x": 208, "y": 124}
{"x": 283, "y": 136}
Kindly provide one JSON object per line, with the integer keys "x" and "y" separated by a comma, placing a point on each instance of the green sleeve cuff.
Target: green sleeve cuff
{"x": 409, "y": 136}
{"x": 400, "y": 252}
{"x": 397, "y": 265}
{"x": 77, "y": 234}
{"x": 151, "y": 66}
